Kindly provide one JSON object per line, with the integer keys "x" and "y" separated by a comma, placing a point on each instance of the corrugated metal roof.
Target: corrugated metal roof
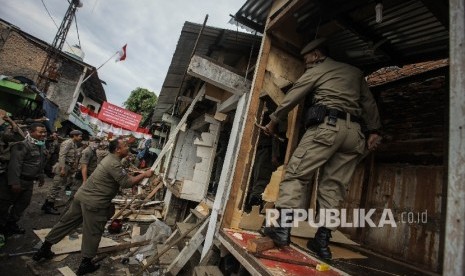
{"x": 411, "y": 31}
{"x": 232, "y": 45}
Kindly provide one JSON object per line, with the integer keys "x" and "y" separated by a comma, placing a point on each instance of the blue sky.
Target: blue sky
{"x": 151, "y": 29}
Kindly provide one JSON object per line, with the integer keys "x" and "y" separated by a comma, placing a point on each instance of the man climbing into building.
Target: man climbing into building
{"x": 341, "y": 103}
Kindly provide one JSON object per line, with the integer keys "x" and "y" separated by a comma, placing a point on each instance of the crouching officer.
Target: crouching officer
{"x": 65, "y": 168}
{"x": 27, "y": 163}
{"x": 90, "y": 206}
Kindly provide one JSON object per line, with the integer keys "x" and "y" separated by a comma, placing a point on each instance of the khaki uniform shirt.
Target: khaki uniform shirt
{"x": 69, "y": 154}
{"x": 27, "y": 162}
{"x": 335, "y": 85}
{"x": 103, "y": 185}
{"x": 89, "y": 157}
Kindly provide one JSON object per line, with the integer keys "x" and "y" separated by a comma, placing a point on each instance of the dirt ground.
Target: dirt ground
{"x": 34, "y": 218}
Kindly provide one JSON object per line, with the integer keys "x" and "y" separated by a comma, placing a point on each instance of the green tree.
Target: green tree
{"x": 141, "y": 101}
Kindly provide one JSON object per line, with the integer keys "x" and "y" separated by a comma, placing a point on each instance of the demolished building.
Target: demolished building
{"x": 409, "y": 172}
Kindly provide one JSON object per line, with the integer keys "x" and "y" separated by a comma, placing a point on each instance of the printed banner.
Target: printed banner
{"x": 121, "y": 117}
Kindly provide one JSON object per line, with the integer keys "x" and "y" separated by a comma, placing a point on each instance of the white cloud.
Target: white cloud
{"x": 151, "y": 28}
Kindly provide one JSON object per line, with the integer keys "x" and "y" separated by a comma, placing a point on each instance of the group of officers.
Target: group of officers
{"x": 100, "y": 167}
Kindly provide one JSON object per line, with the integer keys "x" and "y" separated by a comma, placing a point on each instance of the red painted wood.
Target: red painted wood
{"x": 275, "y": 267}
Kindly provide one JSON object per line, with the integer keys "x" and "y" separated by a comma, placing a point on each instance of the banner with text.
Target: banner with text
{"x": 118, "y": 116}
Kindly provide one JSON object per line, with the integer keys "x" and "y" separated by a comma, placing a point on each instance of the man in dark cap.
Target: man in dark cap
{"x": 64, "y": 169}
{"x": 340, "y": 102}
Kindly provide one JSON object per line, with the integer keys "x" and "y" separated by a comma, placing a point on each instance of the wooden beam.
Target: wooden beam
{"x": 285, "y": 13}
{"x": 218, "y": 75}
{"x": 250, "y": 133}
{"x": 454, "y": 252}
{"x": 271, "y": 89}
{"x": 229, "y": 104}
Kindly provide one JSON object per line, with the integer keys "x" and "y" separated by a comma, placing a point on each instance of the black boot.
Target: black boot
{"x": 12, "y": 228}
{"x": 320, "y": 244}
{"x": 87, "y": 266}
{"x": 281, "y": 236}
{"x": 49, "y": 208}
{"x": 253, "y": 201}
{"x": 44, "y": 252}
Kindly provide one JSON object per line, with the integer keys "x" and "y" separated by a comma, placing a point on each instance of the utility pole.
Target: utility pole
{"x": 50, "y": 68}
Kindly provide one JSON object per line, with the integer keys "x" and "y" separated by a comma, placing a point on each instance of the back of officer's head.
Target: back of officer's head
{"x": 113, "y": 145}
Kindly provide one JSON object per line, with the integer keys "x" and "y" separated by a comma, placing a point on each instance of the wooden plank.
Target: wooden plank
{"x": 183, "y": 227}
{"x": 252, "y": 221}
{"x": 217, "y": 75}
{"x": 66, "y": 271}
{"x": 259, "y": 245}
{"x": 207, "y": 271}
{"x": 67, "y": 246}
{"x": 187, "y": 252}
{"x": 228, "y": 169}
{"x": 229, "y": 104}
{"x": 169, "y": 256}
{"x": 271, "y": 192}
{"x": 173, "y": 135}
{"x": 286, "y": 13}
{"x": 250, "y": 132}
{"x": 271, "y": 89}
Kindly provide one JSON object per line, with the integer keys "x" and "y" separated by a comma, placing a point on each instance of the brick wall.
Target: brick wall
{"x": 22, "y": 57}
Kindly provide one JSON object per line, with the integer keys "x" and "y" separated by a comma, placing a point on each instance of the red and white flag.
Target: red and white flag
{"x": 121, "y": 54}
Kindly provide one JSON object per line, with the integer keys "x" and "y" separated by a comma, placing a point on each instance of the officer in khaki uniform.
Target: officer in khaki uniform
{"x": 334, "y": 140}
{"x": 26, "y": 165}
{"x": 88, "y": 161}
{"x": 91, "y": 204}
{"x": 65, "y": 168}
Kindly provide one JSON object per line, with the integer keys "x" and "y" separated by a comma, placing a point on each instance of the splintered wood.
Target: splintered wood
{"x": 140, "y": 207}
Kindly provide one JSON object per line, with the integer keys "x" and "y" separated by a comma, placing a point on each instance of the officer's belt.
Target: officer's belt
{"x": 343, "y": 115}
{"x": 28, "y": 178}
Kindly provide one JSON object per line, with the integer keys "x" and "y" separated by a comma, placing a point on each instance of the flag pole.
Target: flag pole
{"x": 99, "y": 67}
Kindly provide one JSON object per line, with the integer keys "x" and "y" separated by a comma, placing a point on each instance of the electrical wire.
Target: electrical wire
{"x": 48, "y": 12}
{"x": 77, "y": 31}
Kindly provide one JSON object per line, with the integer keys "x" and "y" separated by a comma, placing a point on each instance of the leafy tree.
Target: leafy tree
{"x": 141, "y": 101}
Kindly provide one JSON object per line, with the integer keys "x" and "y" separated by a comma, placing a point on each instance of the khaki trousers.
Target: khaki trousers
{"x": 93, "y": 224}
{"x": 333, "y": 148}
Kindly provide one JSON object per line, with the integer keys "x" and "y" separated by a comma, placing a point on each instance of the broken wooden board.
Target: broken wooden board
{"x": 135, "y": 231}
{"x": 207, "y": 271}
{"x": 169, "y": 256}
{"x": 144, "y": 218}
{"x": 304, "y": 230}
{"x": 253, "y": 220}
{"x": 272, "y": 189}
{"x": 237, "y": 247}
{"x": 67, "y": 246}
{"x": 60, "y": 258}
{"x": 337, "y": 251}
{"x": 259, "y": 244}
{"x": 66, "y": 271}
{"x": 183, "y": 227}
